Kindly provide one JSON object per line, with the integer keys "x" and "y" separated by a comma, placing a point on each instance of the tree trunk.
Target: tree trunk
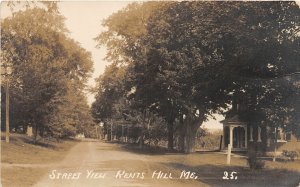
{"x": 24, "y": 129}
{"x": 191, "y": 128}
{"x": 275, "y": 145}
{"x": 170, "y": 127}
{"x": 189, "y": 139}
{"x": 41, "y": 131}
{"x": 141, "y": 142}
{"x": 170, "y": 134}
{"x": 181, "y": 134}
{"x": 35, "y": 133}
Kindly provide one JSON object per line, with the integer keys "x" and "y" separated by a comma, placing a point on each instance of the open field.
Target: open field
{"x": 25, "y": 162}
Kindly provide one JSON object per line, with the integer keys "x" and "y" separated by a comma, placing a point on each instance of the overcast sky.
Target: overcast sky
{"x": 83, "y": 19}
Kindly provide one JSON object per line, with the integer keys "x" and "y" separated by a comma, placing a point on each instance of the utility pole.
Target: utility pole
{"x": 7, "y": 111}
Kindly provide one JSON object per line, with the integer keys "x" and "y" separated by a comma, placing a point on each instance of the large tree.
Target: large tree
{"x": 215, "y": 50}
{"x": 126, "y": 29}
{"x": 192, "y": 59}
{"x": 47, "y": 67}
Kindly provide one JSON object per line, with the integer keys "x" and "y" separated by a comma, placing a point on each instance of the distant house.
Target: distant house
{"x": 80, "y": 135}
{"x": 240, "y": 135}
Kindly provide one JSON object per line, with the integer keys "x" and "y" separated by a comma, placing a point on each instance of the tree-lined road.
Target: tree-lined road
{"x": 88, "y": 161}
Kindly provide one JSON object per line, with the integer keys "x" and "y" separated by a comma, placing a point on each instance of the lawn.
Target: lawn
{"x": 210, "y": 168}
{"x": 26, "y": 162}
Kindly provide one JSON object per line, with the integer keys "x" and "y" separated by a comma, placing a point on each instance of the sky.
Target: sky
{"x": 83, "y": 20}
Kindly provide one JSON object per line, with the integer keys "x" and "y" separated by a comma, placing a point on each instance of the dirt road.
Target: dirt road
{"x": 92, "y": 163}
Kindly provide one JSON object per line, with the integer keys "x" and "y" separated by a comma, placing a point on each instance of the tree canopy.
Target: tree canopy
{"x": 187, "y": 60}
{"x": 49, "y": 73}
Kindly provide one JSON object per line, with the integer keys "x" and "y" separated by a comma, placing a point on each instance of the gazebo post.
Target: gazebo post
{"x": 259, "y": 135}
{"x": 231, "y": 135}
{"x": 251, "y": 134}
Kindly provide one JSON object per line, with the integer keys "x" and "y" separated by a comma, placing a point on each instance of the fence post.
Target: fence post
{"x": 229, "y": 154}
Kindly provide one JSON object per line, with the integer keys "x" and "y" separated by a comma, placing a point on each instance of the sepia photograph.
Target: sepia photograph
{"x": 150, "y": 93}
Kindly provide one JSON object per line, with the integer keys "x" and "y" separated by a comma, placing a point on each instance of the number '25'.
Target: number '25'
{"x": 233, "y": 175}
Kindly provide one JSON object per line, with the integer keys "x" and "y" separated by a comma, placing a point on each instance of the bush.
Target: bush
{"x": 290, "y": 154}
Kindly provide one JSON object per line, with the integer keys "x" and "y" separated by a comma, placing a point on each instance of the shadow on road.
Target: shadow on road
{"x": 146, "y": 150}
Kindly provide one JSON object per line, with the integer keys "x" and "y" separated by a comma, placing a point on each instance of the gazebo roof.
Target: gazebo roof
{"x": 234, "y": 119}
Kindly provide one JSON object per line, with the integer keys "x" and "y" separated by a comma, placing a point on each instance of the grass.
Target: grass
{"x": 22, "y": 150}
{"x": 290, "y": 146}
{"x": 21, "y": 176}
{"x": 210, "y": 168}
{"x": 26, "y": 162}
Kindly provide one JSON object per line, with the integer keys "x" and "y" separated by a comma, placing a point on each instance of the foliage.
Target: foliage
{"x": 208, "y": 140}
{"x": 110, "y": 89}
{"x": 290, "y": 154}
{"x": 188, "y": 60}
{"x": 49, "y": 71}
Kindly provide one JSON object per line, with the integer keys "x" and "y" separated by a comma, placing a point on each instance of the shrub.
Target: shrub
{"x": 290, "y": 154}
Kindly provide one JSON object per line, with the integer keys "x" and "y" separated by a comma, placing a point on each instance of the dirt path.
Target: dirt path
{"x": 101, "y": 164}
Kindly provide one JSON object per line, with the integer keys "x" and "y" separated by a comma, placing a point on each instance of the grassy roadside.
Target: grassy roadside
{"x": 210, "y": 167}
{"x": 23, "y": 163}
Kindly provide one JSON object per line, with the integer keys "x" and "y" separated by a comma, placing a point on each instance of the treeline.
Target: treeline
{"x": 48, "y": 74}
{"x": 174, "y": 64}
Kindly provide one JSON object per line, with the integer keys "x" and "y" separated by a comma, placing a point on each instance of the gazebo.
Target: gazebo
{"x": 235, "y": 133}
{"x": 238, "y": 134}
